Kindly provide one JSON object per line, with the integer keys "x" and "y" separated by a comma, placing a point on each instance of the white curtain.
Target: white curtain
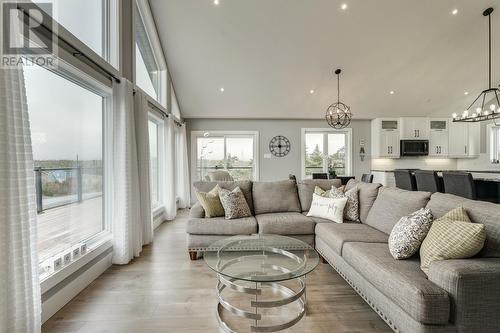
{"x": 169, "y": 185}
{"x": 20, "y": 305}
{"x": 127, "y": 227}
{"x": 183, "y": 186}
{"x": 142, "y": 135}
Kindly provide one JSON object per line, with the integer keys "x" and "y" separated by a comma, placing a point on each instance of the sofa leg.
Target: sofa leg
{"x": 193, "y": 255}
{"x": 323, "y": 260}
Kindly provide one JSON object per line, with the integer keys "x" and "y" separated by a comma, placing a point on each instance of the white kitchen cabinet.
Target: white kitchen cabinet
{"x": 464, "y": 140}
{"x": 414, "y": 128}
{"x": 438, "y": 137}
{"x": 385, "y": 137}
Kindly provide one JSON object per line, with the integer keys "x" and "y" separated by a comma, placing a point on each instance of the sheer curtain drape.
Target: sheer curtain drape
{"x": 131, "y": 201}
{"x": 169, "y": 185}
{"x": 20, "y": 305}
{"x": 183, "y": 187}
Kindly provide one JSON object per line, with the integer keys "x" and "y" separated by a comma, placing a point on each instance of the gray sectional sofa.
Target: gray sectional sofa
{"x": 456, "y": 296}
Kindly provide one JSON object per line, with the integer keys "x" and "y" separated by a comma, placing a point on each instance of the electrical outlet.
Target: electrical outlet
{"x": 76, "y": 252}
{"x": 58, "y": 263}
{"x": 83, "y": 249}
{"x": 67, "y": 258}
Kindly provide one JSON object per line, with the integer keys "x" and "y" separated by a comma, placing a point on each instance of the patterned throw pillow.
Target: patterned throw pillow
{"x": 327, "y": 208}
{"x": 210, "y": 202}
{"x": 322, "y": 193}
{"x": 234, "y": 203}
{"x": 452, "y": 236}
{"x": 408, "y": 234}
{"x": 351, "y": 211}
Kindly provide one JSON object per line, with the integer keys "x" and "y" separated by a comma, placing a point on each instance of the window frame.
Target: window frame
{"x": 224, "y": 134}
{"x": 142, "y": 12}
{"x": 158, "y": 120}
{"x": 494, "y": 144}
{"x": 325, "y": 132}
{"x": 85, "y": 81}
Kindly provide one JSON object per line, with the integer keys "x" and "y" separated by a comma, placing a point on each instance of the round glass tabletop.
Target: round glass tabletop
{"x": 261, "y": 258}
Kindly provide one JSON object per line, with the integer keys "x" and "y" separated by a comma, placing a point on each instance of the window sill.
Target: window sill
{"x": 95, "y": 249}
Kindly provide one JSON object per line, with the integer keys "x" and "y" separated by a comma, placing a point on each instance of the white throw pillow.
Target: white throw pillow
{"x": 328, "y": 208}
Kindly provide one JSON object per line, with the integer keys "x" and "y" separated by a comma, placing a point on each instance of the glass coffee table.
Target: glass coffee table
{"x": 270, "y": 271}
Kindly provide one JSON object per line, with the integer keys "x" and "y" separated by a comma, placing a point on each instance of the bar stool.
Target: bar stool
{"x": 367, "y": 178}
{"x": 460, "y": 183}
{"x": 427, "y": 181}
{"x": 405, "y": 180}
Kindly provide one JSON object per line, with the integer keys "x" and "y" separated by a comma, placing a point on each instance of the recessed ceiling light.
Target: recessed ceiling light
{"x": 391, "y": 92}
{"x": 343, "y": 6}
{"x": 466, "y": 93}
{"x": 216, "y": 2}
{"x": 311, "y": 91}
{"x": 454, "y": 11}
{"x": 221, "y": 89}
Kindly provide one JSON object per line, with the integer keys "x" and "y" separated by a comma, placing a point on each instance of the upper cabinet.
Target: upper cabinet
{"x": 438, "y": 137}
{"x": 446, "y": 138}
{"x": 464, "y": 140}
{"x": 385, "y": 137}
{"x": 414, "y": 128}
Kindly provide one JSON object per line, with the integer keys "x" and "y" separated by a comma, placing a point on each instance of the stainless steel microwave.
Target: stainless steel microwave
{"x": 414, "y": 147}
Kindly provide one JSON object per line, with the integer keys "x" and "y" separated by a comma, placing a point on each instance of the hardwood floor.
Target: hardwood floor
{"x": 164, "y": 291}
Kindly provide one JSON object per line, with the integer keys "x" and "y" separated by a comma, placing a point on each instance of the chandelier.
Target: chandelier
{"x": 481, "y": 112}
{"x": 338, "y": 115}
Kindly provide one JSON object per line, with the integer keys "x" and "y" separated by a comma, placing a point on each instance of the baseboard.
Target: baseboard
{"x": 60, "y": 298}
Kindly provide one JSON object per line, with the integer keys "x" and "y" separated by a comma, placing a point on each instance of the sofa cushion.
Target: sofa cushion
{"x": 337, "y": 234}
{"x": 275, "y": 197}
{"x": 478, "y": 211}
{"x": 368, "y": 192}
{"x": 306, "y": 190}
{"x": 244, "y": 185}
{"x": 392, "y": 204}
{"x": 285, "y": 224}
{"x": 400, "y": 280}
{"x": 221, "y": 226}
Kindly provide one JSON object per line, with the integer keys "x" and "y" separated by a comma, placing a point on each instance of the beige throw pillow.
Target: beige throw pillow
{"x": 210, "y": 202}
{"x": 322, "y": 193}
{"x": 327, "y": 208}
{"x": 452, "y": 236}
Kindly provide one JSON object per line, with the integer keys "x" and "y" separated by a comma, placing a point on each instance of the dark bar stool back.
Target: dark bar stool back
{"x": 459, "y": 183}
{"x": 427, "y": 181}
{"x": 320, "y": 175}
{"x": 405, "y": 180}
{"x": 367, "y": 178}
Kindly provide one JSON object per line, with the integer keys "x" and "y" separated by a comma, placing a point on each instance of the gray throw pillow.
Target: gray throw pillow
{"x": 409, "y": 233}
{"x": 234, "y": 203}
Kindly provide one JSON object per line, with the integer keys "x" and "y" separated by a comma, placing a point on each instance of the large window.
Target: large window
{"x": 326, "y": 149}
{"x": 234, "y": 152}
{"x": 67, "y": 121}
{"x": 155, "y": 144}
{"x": 150, "y": 67}
{"x": 93, "y": 22}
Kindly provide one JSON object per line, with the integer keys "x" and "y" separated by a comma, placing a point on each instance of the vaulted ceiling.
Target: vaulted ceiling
{"x": 269, "y": 54}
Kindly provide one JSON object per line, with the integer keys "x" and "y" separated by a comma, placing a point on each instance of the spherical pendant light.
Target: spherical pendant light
{"x": 338, "y": 115}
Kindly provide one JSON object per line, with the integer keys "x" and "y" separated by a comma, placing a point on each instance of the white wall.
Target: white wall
{"x": 414, "y": 163}
{"x": 277, "y": 168}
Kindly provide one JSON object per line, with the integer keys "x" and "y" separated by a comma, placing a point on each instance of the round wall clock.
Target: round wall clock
{"x": 279, "y": 146}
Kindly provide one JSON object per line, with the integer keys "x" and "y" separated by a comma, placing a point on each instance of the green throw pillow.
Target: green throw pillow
{"x": 210, "y": 202}
{"x": 453, "y": 236}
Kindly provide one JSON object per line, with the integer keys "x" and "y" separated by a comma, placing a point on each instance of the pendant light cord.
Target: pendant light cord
{"x": 338, "y": 88}
{"x": 489, "y": 49}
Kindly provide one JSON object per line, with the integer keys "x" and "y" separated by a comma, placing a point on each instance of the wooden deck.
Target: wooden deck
{"x": 163, "y": 291}
{"x": 62, "y": 227}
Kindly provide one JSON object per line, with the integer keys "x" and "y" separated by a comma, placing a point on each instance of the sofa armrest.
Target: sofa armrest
{"x": 196, "y": 211}
{"x": 474, "y": 289}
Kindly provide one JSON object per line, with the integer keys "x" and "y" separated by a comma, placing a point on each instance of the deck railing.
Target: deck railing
{"x": 77, "y": 195}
